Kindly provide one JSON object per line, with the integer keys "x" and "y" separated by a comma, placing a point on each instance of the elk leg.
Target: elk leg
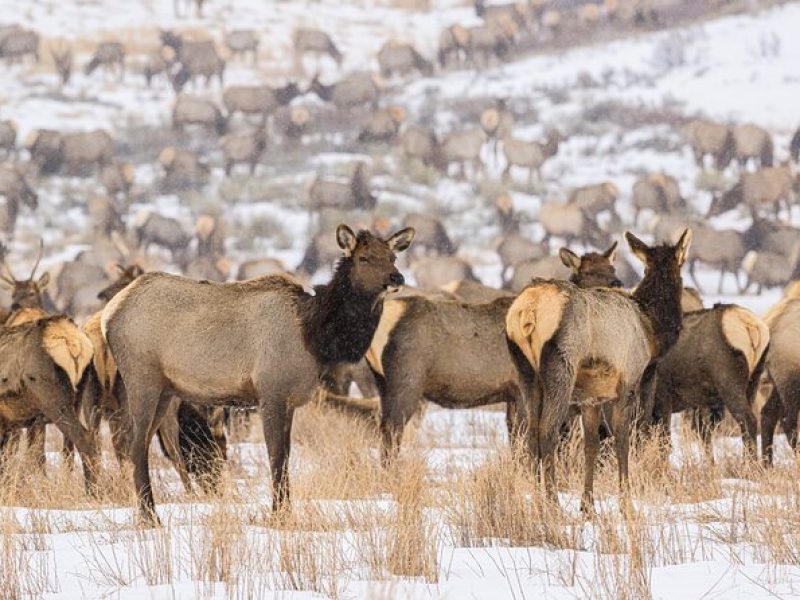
{"x": 770, "y": 414}
{"x": 721, "y": 278}
{"x": 398, "y": 405}
{"x": 590, "y": 417}
{"x": 745, "y": 418}
{"x": 621, "y": 429}
{"x": 276, "y": 419}
{"x": 558, "y": 382}
{"x": 168, "y": 435}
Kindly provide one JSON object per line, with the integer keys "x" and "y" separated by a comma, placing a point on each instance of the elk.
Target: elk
{"x": 292, "y": 122}
{"x": 474, "y": 292}
{"x": 193, "y": 110}
{"x": 117, "y": 178}
{"x": 242, "y": 41}
{"x": 434, "y": 272}
{"x": 497, "y": 122}
{"x": 355, "y": 193}
{"x": 412, "y": 354}
{"x": 770, "y": 187}
{"x": 260, "y": 267}
{"x": 150, "y": 328}
{"x": 529, "y": 155}
{"x": 316, "y": 42}
{"x": 153, "y": 228}
{"x": 595, "y": 199}
{"x": 493, "y": 39}
{"x": 16, "y": 43}
{"x": 8, "y": 137}
{"x": 430, "y": 234}
{"x": 546, "y": 267}
{"x": 16, "y": 190}
{"x": 504, "y": 210}
{"x": 589, "y": 347}
{"x": 348, "y": 93}
{"x": 243, "y": 147}
{"x": 770, "y": 236}
{"x": 513, "y": 248}
{"x": 82, "y": 152}
{"x": 517, "y": 12}
{"x": 783, "y": 360}
{"x": 77, "y": 284}
{"x": 383, "y": 125}
{"x": 258, "y": 100}
{"x": 158, "y": 62}
{"x": 718, "y": 360}
{"x": 110, "y": 55}
{"x": 461, "y": 147}
{"x": 45, "y": 147}
{"x": 723, "y": 249}
{"x": 707, "y": 138}
{"x": 568, "y": 222}
{"x": 659, "y": 193}
{"x": 193, "y": 58}
{"x": 421, "y": 144}
{"x": 771, "y": 269}
{"x": 210, "y": 235}
{"x": 62, "y": 60}
{"x": 183, "y": 169}
{"x": 399, "y": 58}
{"x": 453, "y": 43}
{"x": 752, "y": 143}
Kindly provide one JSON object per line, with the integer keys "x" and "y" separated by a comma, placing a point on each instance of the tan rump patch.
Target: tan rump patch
{"x": 490, "y": 119}
{"x": 393, "y": 311}
{"x": 25, "y": 315}
{"x": 534, "y": 318}
{"x": 745, "y": 332}
{"x": 69, "y": 348}
{"x": 103, "y": 361}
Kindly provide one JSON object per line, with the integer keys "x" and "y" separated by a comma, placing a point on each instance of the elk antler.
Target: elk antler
{"x": 38, "y": 258}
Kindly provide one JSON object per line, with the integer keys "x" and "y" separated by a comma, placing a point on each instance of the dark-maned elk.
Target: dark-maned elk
{"x": 453, "y": 45}
{"x": 783, "y": 368}
{"x": 529, "y": 155}
{"x": 752, "y": 143}
{"x": 15, "y": 190}
{"x": 153, "y": 228}
{"x": 258, "y": 100}
{"x": 768, "y": 188}
{"x": 454, "y": 353}
{"x": 659, "y": 193}
{"x": 151, "y": 330}
{"x": 8, "y": 137}
{"x": 194, "y": 58}
{"x": 62, "y": 60}
{"x": 16, "y": 43}
{"x": 771, "y": 269}
{"x": 243, "y": 147}
{"x": 355, "y": 193}
{"x": 193, "y": 110}
{"x": 110, "y": 55}
{"x": 183, "y": 169}
{"x": 117, "y": 178}
{"x": 348, "y": 93}
{"x": 43, "y": 373}
{"x": 322, "y": 252}
{"x": 242, "y": 41}
{"x": 158, "y": 62}
{"x": 591, "y": 347}
{"x": 717, "y": 361}
{"x": 722, "y": 249}
{"x": 316, "y": 42}
{"x": 45, "y": 149}
{"x": 400, "y": 58}
{"x": 707, "y": 138}
{"x": 383, "y": 125}
{"x": 771, "y": 236}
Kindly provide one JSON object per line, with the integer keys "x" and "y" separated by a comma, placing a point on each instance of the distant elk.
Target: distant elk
{"x": 8, "y": 137}
{"x": 421, "y": 144}
{"x": 257, "y": 100}
{"x": 117, "y": 179}
{"x": 292, "y": 122}
{"x": 15, "y": 190}
{"x": 497, "y": 123}
{"x": 79, "y": 153}
{"x": 591, "y": 347}
{"x": 110, "y": 55}
{"x": 769, "y": 188}
{"x": 315, "y": 42}
{"x": 431, "y": 235}
{"x": 596, "y": 199}
{"x": 104, "y": 216}
{"x": 354, "y": 90}
{"x": 243, "y": 41}
{"x": 462, "y": 147}
{"x": 353, "y": 194}
{"x": 570, "y": 223}
{"x": 243, "y": 147}
{"x": 150, "y": 328}
{"x": 433, "y": 272}
{"x": 714, "y": 139}
{"x": 193, "y": 59}
{"x": 383, "y": 125}
{"x": 183, "y": 169}
{"x": 62, "y": 61}
{"x": 152, "y": 228}
{"x": 753, "y": 143}
{"x": 16, "y": 43}
{"x": 529, "y": 155}
{"x": 400, "y": 58}
{"x": 198, "y": 4}
{"x": 765, "y": 268}
{"x": 491, "y": 40}
{"x": 453, "y": 46}
{"x": 723, "y": 250}
{"x": 158, "y": 62}
{"x": 659, "y": 193}
{"x": 516, "y": 12}
{"x": 194, "y": 110}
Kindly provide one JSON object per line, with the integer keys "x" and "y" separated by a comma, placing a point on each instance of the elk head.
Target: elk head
{"x": 368, "y": 260}
{"x": 25, "y": 293}
{"x": 593, "y": 269}
{"x": 126, "y": 276}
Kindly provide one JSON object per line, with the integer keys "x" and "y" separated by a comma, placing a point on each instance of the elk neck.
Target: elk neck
{"x": 659, "y": 298}
{"x": 339, "y": 321}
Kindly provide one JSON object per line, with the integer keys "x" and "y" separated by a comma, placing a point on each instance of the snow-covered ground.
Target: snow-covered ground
{"x": 618, "y": 103}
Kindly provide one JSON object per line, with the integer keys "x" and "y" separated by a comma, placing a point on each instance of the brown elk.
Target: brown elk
{"x": 752, "y": 143}
{"x": 193, "y": 58}
{"x": 659, "y": 193}
{"x": 153, "y": 228}
{"x": 398, "y": 58}
{"x": 568, "y": 222}
{"x": 8, "y": 137}
{"x": 16, "y": 43}
{"x": 243, "y": 147}
{"x": 413, "y": 358}
{"x": 193, "y": 110}
{"x": 431, "y": 235}
{"x": 595, "y": 199}
{"x": 355, "y": 193}
{"x": 453, "y": 45}
{"x": 117, "y": 178}
{"x": 348, "y": 93}
{"x": 259, "y": 100}
{"x": 771, "y": 269}
{"x": 242, "y": 41}
{"x": 420, "y": 144}
{"x": 110, "y": 55}
{"x": 158, "y": 62}
{"x": 771, "y": 187}
{"x": 723, "y": 249}
{"x": 183, "y": 169}
{"x": 515, "y": 248}
{"x": 591, "y": 347}
{"x": 150, "y": 328}
{"x": 316, "y": 42}
{"x": 383, "y": 125}
{"x": 15, "y": 190}
{"x": 529, "y": 155}
{"x": 45, "y": 148}
{"x": 707, "y": 138}
{"x": 461, "y": 147}
{"x": 497, "y": 122}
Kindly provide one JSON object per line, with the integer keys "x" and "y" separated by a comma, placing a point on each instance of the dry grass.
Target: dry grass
{"x": 353, "y": 521}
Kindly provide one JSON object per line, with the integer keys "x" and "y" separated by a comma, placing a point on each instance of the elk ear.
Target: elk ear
{"x": 43, "y": 280}
{"x": 346, "y": 239}
{"x": 638, "y": 247}
{"x": 570, "y": 259}
{"x": 401, "y": 240}
{"x": 682, "y": 247}
{"x": 611, "y": 253}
